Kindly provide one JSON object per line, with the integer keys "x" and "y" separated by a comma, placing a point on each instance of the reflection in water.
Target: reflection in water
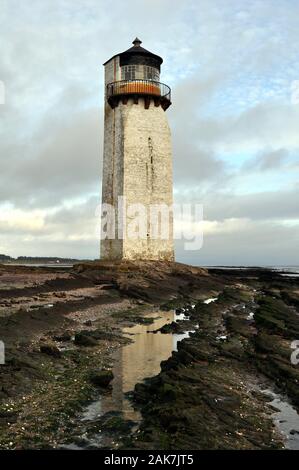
{"x": 142, "y": 358}
{"x": 138, "y": 360}
{"x": 135, "y": 362}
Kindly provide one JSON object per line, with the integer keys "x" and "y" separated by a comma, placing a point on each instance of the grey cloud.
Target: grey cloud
{"x": 192, "y": 162}
{"x": 260, "y": 244}
{"x": 265, "y": 206}
{"x": 78, "y": 216}
{"x": 266, "y": 125}
{"x": 267, "y": 161}
{"x": 63, "y": 162}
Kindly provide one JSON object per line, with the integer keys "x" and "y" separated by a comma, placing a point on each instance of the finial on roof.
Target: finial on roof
{"x": 137, "y": 42}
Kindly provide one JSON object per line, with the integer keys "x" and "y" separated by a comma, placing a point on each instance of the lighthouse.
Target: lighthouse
{"x": 137, "y": 165}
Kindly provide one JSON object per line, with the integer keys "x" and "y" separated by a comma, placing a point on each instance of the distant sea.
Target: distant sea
{"x": 287, "y": 270}
{"x": 41, "y": 265}
{"x": 284, "y": 270}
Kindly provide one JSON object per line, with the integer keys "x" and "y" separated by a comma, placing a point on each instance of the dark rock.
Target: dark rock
{"x": 83, "y": 339}
{"x": 294, "y": 431}
{"x": 66, "y": 336}
{"x": 170, "y": 328}
{"x": 113, "y": 423}
{"x": 102, "y": 335}
{"x": 171, "y": 363}
{"x": 141, "y": 393}
{"x": 185, "y": 357}
{"x": 101, "y": 378}
{"x": 50, "y": 349}
{"x": 10, "y": 416}
{"x": 168, "y": 392}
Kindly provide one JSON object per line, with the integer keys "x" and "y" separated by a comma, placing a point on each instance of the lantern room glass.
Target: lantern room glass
{"x": 139, "y": 72}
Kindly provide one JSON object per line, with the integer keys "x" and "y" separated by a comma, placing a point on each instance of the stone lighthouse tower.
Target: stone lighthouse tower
{"x": 137, "y": 164}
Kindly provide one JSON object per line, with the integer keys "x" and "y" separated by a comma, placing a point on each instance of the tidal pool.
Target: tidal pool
{"x": 135, "y": 362}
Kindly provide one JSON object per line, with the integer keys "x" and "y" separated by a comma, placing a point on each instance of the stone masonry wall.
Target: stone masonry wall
{"x": 138, "y": 165}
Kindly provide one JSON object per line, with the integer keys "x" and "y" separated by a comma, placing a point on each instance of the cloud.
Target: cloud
{"x": 255, "y": 244}
{"x": 266, "y": 125}
{"x": 62, "y": 161}
{"x": 234, "y": 129}
{"x": 269, "y": 205}
{"x": 271, "y": 160}
{"x": 40, "y": 232}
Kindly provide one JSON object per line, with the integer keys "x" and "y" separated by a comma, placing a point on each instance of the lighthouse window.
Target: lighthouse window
{"x": 151, "y": 73}
{"x": 128, "y": 72}
{"x": 139, "y": 72}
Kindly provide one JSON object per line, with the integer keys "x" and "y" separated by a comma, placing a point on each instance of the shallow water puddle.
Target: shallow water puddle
{"x": 135, "y": 362}
{"x": 286, "y": 419}
{"x": 212, "y": 299}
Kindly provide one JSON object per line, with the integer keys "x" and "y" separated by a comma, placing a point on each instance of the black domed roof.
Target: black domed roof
{"x": 136, "y": 53}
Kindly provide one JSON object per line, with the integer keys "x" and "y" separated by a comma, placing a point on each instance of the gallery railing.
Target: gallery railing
{"x": 139, "y": 87}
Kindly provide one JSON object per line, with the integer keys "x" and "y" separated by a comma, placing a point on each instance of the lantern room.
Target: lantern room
{"x": 136, "y": 74}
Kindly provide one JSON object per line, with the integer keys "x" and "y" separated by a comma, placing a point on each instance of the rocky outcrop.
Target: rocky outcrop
{"x": 148, "y": 280}
{"x": 101, "y": 378}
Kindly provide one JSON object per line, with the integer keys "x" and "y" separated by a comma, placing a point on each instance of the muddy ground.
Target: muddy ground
{"x": 61, "y": 328}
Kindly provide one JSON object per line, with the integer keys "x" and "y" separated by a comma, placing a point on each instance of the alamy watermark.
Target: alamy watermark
{"x": 2, "y": 353}
{"x": 137, "y": 221}
{"x": 295, "y": 353}
{"x": 2, "y": 92}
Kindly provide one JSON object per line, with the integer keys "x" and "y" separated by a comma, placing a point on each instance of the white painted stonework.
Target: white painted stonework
{"x": 138, "y": 165}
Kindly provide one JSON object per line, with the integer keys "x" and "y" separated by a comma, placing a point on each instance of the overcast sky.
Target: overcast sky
{"x": 232, "y": 66}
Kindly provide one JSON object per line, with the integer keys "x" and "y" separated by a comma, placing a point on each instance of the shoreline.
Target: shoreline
{"x": 46, "y": 317}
